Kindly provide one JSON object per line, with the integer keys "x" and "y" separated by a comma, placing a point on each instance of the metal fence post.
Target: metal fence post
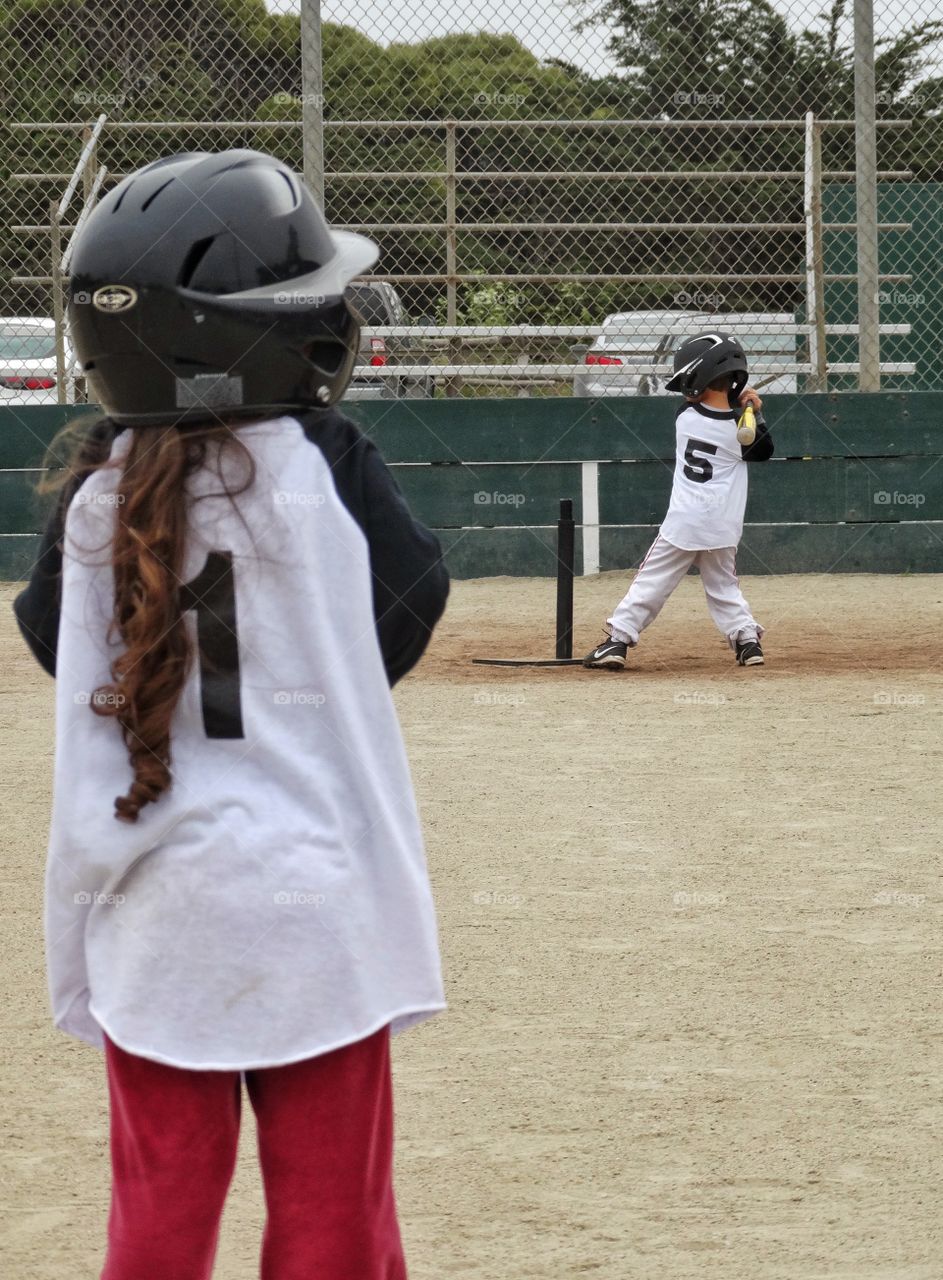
{"x": 866, "y": 195}
{"x": 58, "y": 303}
{"x": 91, "y": 164}
{"x": 452, "y": 385}
{"x": 814, "y": 255}
{"x": 312, "y": 99}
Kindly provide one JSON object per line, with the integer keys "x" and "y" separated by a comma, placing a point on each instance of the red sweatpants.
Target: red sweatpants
{"x": 325, "y": 1133}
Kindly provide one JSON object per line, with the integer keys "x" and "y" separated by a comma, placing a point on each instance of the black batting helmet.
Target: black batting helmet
{"x": 699, "y": 361}
{"x": 209, "y": 286}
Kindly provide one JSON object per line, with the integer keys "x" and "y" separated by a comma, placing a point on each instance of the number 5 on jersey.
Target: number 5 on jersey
{"x": 698, "y": 469}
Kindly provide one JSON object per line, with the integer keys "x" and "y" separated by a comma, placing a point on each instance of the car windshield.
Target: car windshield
{"x": 779, "y": 344}
{"x": 623, "y": 337}
{"x": 20, "y": 343}
{"x": 369, "y": 304}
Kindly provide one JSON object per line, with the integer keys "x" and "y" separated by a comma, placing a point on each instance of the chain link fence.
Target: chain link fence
{"x": 560, "y": 191}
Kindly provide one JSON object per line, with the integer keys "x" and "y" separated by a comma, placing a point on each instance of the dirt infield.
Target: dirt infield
{"x": 690, "y": 920}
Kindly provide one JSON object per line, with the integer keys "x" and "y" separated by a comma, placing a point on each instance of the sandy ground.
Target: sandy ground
{"x": 690, "y": 921}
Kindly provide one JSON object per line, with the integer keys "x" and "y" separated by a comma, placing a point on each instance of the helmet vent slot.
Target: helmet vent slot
{"x": 291, "y": 187}
{"x": 195, "y": 255}
{"x": 153, "y": 196}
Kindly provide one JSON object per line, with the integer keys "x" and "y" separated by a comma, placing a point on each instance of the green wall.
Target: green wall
{"x": 856, "y": 485}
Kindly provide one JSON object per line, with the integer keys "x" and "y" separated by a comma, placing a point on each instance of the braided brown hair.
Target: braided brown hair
{"x": 147, "y": 555}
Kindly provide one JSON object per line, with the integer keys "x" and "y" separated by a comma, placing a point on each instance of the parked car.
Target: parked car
{"x": 28, "y": 362}
{"x": 378, "y": 303}
{"x": 632, "y": 354}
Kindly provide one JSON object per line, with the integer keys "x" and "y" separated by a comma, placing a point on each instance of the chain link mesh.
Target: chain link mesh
{"x": 524, "y": 167}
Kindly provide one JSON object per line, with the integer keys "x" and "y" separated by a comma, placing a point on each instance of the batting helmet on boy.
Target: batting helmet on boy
{"x": 700, "y": 361}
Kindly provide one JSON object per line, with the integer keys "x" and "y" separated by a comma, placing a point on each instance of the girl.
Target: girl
{"x": 236, "y": 885}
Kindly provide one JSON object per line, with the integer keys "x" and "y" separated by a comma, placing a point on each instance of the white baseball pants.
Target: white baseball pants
{"x": 660, "y": 572}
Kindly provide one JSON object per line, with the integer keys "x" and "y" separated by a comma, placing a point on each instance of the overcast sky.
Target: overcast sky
{"x": 546, "y": 26}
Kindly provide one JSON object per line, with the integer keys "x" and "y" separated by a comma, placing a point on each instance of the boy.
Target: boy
{"x": 704, "y": 523}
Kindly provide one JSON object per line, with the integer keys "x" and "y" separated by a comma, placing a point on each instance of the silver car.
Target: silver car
{"x": 28, "y": 362}
{"x": 633, "y": 353}
{"x": 377, "y": 303}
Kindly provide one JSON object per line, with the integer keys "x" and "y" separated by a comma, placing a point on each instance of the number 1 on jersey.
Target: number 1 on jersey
{"x": 212, "y": 595}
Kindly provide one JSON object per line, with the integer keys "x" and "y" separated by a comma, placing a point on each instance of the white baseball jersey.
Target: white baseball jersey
{"x": 709, "y": 490}
{"x": 274, "y": 904}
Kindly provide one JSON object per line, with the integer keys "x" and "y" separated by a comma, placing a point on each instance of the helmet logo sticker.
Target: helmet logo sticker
{"x": 209, "y": 391}
{"x": 112, "y": 298}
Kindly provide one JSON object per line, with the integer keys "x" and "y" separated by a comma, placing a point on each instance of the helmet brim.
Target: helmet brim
{"x": 353, "y": 256}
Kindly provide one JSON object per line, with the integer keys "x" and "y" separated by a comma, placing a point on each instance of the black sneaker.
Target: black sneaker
{"x": 749, "y": 653}
{"x": 610, "y": 653}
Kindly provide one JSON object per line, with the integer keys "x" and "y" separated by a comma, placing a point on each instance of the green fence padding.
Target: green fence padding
{"x": 634, "y": 492}
{"x": 570, "y": 430}
{"x": 446, "y": 497}
{"x": 26, "y": 433}
{"x": 18, "y": 553}
{"x": 562, "y": 429}
{"x": 820, "y": 490}
{"x": 825, "y": 490}
{"x": 855, "y": 486}
{"x": 22, "y": 510}
{"x": 821, "y": 548}
{"x": 815, "y": 548}
{"x": 486, "y": 553}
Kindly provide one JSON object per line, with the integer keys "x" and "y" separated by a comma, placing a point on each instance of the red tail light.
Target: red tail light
{"x": 23, "y": 383}
{"x": 593, "y": 357}
{"x": 378, "y": 346}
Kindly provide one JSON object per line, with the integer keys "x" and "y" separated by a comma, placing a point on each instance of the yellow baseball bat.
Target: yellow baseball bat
{"x": 746, "y": 427}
